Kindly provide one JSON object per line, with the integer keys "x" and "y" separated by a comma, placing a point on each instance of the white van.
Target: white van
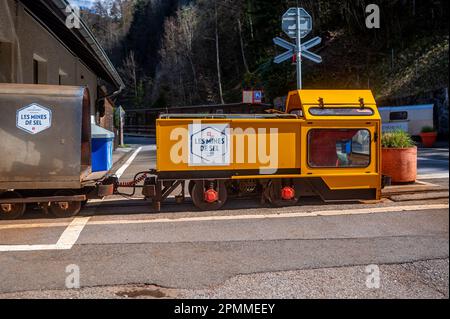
{"x": 409, "y": 118}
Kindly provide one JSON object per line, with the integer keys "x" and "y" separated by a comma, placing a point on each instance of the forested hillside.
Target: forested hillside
{"x": 174, "y": 52}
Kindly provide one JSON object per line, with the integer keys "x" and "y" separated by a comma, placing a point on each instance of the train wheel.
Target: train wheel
{"x": 280, "y": 194}
{"x": 209, "y": 195}
{"x": 191, "y": 187}
{"x": 11, "y": 211}
{"x": 65, "y": 209}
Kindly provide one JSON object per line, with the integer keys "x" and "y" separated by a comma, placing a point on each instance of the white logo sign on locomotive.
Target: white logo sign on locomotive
{"x": 34, "y": 118}
{"x": 209, "y": 144}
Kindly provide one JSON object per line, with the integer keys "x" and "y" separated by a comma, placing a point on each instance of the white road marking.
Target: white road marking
{"x": 280, "y": 215}
{"x": 407, "y": 186}
{"x": 423, "y": 183}
{"x": 11, "y": 248}
{"x": 433, "y": 176}
{"x": 68, "y": 238}
{"x": 358, "y": 211}
{"x": 33, "y": 225}
{"x": 124, "y": 167}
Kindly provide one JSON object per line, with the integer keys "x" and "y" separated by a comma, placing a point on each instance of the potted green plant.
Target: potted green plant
{"x": 428, "y": 136}
{"x": 399, "y": 157}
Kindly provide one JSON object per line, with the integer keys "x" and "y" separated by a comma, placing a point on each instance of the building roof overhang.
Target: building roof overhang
{"x": 80, "y": 41}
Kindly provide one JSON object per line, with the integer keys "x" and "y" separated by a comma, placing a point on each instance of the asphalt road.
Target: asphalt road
{"x": 137, "y": 140}
{"x": 432, "y": 161}
{"x": 197, "y": 253}
{"x": 427, "y": 279}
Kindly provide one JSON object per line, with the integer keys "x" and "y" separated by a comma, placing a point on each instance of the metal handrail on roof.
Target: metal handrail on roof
{"x": 205, "y": 106}
{"x": 228, "y": 116}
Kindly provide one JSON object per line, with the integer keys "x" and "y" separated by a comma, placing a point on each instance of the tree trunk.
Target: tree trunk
{"x": 242, "y": 46}
{"x": 194, "y": 74}
{"x": 219, "y": 78}
{"x": 250, "y": 20}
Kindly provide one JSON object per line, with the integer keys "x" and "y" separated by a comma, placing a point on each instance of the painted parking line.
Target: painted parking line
{"x": 68, "y": 238}
{"x": 357, "y": 211}
{"x": 124, "y": 167}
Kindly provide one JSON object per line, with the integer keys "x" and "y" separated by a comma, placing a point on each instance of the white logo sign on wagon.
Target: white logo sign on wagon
{"x": 209, "y": 144}
{"x": 34, "y": 118}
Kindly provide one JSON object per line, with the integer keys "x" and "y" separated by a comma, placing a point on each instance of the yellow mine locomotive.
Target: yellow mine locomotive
{"x": 327, "y": 143}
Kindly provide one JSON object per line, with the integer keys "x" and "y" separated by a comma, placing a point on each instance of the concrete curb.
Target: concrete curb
{"x": 419, "y": 196}
{"x": 411, "y": 189}
{"x": 421, "y": 190}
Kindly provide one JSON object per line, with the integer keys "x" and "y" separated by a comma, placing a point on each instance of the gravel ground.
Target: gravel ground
{"x": 423, "y": 279}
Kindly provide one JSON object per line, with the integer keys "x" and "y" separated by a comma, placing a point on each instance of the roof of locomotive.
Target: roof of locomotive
{"x": 333, "y": 104}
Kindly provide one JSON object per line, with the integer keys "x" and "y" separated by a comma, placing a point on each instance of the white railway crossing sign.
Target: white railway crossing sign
{"x": 304, "y": 50}
{"x": 297, "y": 24}
{"x": 289, "y": 24}
{"x": 290, "y": 47}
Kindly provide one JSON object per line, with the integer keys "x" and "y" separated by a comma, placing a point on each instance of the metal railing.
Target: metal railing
{"x": 144, "y": 130}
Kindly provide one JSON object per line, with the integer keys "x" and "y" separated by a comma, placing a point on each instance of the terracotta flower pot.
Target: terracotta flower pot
{"x": 400, "y": 164}
{"x": 428, "y": 139}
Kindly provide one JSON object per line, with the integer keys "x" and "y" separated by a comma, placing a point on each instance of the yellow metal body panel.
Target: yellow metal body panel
{"x": 291, "y": 140}
{"x": 172, "y": 138}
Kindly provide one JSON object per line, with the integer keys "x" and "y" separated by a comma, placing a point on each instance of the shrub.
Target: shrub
{"x": 427, "y": 129}
{"x": 397, "y": 139}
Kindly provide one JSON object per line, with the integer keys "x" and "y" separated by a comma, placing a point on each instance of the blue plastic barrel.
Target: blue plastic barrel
{"x": 347, "y": 146}
{"x": 102, "y": 149}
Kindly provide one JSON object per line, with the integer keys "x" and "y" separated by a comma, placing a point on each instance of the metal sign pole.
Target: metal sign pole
{"x": 299, "y": 54}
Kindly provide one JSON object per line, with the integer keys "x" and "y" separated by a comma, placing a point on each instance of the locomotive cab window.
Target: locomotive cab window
{"x": 339, "y": 148}
{"x": 340, "y": 111}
